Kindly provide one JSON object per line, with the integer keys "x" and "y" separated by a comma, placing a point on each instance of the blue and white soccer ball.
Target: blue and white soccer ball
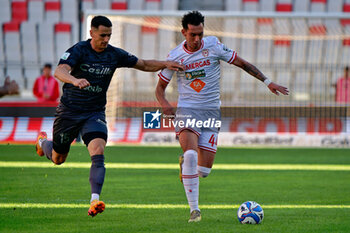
{"x": 250, "y": 212}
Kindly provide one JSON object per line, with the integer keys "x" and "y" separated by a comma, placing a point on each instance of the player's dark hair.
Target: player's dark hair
{"x": 100, "y": 20}
{"x": 193, "y": 18}
{"x": 48, "y": 65}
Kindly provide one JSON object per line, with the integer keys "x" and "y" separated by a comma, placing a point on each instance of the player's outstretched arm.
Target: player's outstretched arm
{"x": 154, "y": 65}
{"x": 160, "y": 94}
{"x": 62, "y": 74}
{"x": 255, "y": 72}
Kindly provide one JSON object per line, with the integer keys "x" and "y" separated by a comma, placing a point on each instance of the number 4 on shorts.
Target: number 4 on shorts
{"x": 213, "y": 141}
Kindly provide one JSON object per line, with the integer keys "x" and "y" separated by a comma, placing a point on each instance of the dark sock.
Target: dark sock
{"x": 97, "y": 173}
{"x": 47, "y": 148}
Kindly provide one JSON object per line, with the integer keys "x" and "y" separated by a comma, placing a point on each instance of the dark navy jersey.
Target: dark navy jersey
{"x": 97, "y": 68}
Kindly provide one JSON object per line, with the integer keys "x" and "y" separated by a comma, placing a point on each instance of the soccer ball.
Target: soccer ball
{"x": 250, "y": 212}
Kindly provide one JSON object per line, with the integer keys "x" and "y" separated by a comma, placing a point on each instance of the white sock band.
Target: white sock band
{"x": 95, "y": 196}
{"x": 203, "y": 171}
{"x": 267, "y": 82}
{"x": 41, "y": 142}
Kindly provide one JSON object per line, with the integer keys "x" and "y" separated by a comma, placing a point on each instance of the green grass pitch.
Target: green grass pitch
{"x": 52, "y": 198}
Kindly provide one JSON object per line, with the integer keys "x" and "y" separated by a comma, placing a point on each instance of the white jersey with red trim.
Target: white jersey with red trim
{"x": 199, "y": 84}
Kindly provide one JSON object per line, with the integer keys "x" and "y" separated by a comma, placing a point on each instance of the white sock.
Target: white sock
{"x": 203, "y": 171}
{"x": 41, "y": 141}
{"x": 190, "y": 178}
{"x": 95, "y": 196}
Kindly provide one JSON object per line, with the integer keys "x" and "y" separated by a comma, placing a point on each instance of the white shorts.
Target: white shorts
{"x": 207, "y": 135}
{"x": 208, "y": 141}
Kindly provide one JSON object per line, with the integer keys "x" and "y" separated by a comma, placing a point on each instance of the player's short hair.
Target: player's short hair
{"x": 48, "y": 65}
{"x": 193, "y": 18}
{"x": 100, "y": 20}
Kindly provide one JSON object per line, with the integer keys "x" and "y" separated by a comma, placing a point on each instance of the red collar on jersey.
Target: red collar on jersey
{"x": 188, "y": 51}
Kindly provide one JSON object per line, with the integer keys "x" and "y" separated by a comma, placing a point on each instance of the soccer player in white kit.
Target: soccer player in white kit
{"x": 199, "y": 99}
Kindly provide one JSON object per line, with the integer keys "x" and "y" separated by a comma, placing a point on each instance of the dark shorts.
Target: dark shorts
{"x": 68, "y": 125}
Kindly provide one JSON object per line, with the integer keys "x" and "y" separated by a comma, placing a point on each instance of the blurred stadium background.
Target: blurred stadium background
{"x": 302, "y": 44}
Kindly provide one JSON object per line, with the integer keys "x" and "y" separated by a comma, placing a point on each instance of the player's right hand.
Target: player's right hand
{"x": 81, "y": 83}
{"x": 168, "y": 111}
{"x": 277, "y": 89}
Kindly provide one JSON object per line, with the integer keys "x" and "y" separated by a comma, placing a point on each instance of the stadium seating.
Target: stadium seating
{"x": 119, "y": 5}
{"x": 19, "y": 10}
{"x": 335, "y": 6}
{"x": 29, "y": 44}
{"x": 87, "y": 4}
{"x": 201, "y": 5}
{"x": 35, "y": 32}
{"x": 146, "y": 81}
{"x": 63, "y": 39}
{"x": 36, "y": 11}
{"x": 2, "y": 55}
{"x": 233, "y": 5}
{"x": 152, "y": 5}
{"x": 227, "y": 77}
{"x": 332, "y": 47}
{"x": 250, "y": 5}
{"x": 264, "y": 47}
{"x": 316, "y": 27}
{"x": 52, "y": 11}
{"x": 12, "y": 43}
{"x": 169, "y": 5}
{"x": 30, "y": 53}
{"x": 70, "y": 15}
{"x": 46, "y": 43}
{"x": 267, "y": 5}
{"x": 13, "y": 52}
{"x": 102, "y": 4}
{"x": 298, "y": 47}
{"x": 346, "y": 42}
{"x": 301, "y": 5}
{"x": 301, "y": 85}
{"x": 5, "y": 11}
{"x": 16, "y": 74}
{"x": 320, "y": 84}
{"x": 136, "y": 4}
{"x": 2, "y": 60}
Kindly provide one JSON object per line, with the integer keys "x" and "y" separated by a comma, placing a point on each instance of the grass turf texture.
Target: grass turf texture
{"x": 161, "y": 186}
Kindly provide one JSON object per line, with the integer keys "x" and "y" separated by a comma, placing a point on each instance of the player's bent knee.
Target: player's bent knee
{"x": 203, "y": 171}
{"x": 58, "y": 159}
{"x": 96, "y": 149}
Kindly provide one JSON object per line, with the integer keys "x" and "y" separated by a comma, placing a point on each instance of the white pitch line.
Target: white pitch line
{"x": 305, "y": 167}
{"x": 161, "y": 206}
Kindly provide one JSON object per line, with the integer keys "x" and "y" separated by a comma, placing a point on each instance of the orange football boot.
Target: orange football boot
{"x": 96, "y": 207}
{"x": 39, "y": 150}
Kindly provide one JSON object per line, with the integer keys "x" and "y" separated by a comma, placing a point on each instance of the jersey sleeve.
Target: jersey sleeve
{"x": 71, "y": 56}
{"x": 225, "y": 53}
{"x": 167, "y": 74}
{"x": 126, "y": 59}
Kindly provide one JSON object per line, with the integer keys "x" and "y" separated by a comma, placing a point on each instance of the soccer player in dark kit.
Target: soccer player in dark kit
{"x": 86, "y": 70}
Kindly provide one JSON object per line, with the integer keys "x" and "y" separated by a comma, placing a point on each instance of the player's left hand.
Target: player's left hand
{"x": 277, "y": 89}
{"x": 171, "y": 65}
